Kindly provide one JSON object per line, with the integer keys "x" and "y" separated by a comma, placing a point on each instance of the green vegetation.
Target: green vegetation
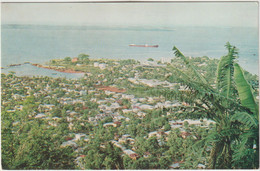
{"x": 192, "y": 113}
{"x": 231, "y": 105}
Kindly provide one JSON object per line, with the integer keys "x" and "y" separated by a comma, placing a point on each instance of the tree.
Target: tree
{"x": 150, "y": 59}
{"x": 83, "y": 58}
{"x": 219, "y": 104}
{"x": 67, "y": 59}
{"x": 53, "y": 62}
{"x": 11, "y": 74}
{"x": 174, "y": 143}
{"x": 38, "y": 148}
{"x": 99, "y": 158}
{"x": 167, "y": 126}
{"x": 164, "y": 162}
{"x": 246, "y": 155}
{"x": 152, "y": 145}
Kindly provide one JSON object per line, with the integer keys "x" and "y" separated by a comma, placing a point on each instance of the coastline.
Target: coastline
{"x": 58, "y": 69}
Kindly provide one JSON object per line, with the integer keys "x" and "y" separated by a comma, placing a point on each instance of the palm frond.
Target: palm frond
{"x": 229, "y": 132}
{"x": 177, "y": 53}
{"x": 202, "y": 91}
{"x": 247, "y": 119}
{"x": 245, "y": 156}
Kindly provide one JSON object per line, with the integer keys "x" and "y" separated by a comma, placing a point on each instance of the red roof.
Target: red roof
{"x": 112, "y": 89}
{"x": 147, "y": 153}
{"x": 84, "y": 107}
{"x": 124, "y": 107}
{"x": 186, "y": 133}
{"x": 134, "y": 155}
{"x": 74, "y": 60}
{"x": 68, "y": 138}
{"x": 117, "y": 123}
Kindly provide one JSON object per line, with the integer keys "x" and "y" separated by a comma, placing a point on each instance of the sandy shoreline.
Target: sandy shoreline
{"x": 57, "y": 69}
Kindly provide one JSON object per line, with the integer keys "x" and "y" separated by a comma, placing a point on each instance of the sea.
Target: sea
{"x": 41, "y": 43}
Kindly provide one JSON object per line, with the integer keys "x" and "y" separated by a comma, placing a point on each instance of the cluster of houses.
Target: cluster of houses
{"x": 150, "y": 64}
{"x": 110, "y": 106}
{"x": 100, "y": 65}
{"x": 152, "y": 83}
{"x": 118, "y": 142}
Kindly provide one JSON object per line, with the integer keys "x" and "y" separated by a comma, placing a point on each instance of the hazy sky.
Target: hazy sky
{"x": 227, "y": 14}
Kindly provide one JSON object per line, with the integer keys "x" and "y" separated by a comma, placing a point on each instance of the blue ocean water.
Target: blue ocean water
{"x": 39, "y": 44}
{"x": 30, "y": 70}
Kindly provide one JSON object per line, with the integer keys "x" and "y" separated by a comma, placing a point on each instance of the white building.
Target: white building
{"x": 69, "y": 143}
{"x": 40, "y": 115}
{"x": 146, "y": 107}
{"x": 102, "y": 66}
{"x": 127, "y": 96}
{"x": 79, "y": 136}
{"x": 96, "y": 64}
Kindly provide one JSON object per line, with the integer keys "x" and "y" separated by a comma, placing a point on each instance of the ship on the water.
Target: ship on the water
{"x": 134, "y": 45}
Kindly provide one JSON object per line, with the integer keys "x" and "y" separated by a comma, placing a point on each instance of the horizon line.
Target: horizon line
{"x": 120, "y": 25}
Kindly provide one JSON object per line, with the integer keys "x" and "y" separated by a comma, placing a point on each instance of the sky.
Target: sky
{"x": 223, "y": 14}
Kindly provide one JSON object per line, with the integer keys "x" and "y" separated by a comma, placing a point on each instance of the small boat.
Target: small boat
{"x": 134, "y": 45}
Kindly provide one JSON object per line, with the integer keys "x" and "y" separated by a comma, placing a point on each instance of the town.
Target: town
{"x": 122, "y": 114}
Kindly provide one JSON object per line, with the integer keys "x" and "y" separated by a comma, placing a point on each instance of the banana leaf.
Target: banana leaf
{"x": 244, "y": 90}
{"x": 225, "y": 71}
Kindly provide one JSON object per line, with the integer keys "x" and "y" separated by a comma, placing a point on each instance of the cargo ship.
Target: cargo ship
{"x": 134, "y": 45}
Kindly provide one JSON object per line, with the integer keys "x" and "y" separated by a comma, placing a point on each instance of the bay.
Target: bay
{"x": 30, "y": 71}
{"x": 39, "y": 44}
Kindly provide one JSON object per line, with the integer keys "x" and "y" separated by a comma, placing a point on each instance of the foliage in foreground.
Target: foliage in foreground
{"x": 34, "y": 147}
{"x": 231, "y": 105}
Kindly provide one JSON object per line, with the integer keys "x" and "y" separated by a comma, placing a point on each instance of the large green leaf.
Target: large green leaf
{"x": 244, "y": 90}
{"x": 225, "y": 71}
